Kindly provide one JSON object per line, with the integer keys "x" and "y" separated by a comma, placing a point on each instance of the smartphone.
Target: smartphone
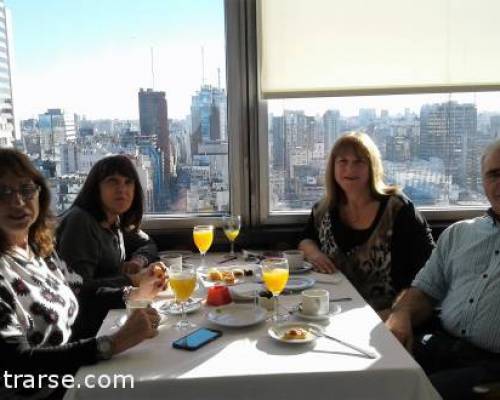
{"x": 196, "y": 339}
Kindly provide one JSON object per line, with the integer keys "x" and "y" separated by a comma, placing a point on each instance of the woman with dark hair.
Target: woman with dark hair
{"x": 100, "y": 236}
{"x": 368, "y": 230}
{"x": 38, "y": 303}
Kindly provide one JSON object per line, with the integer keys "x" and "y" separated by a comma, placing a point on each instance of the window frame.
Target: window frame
{"x": 238, "y": 129}
{"x": 260, "y": 151}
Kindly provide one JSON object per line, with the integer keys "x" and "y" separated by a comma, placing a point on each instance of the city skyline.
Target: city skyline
{"x": 111, "y": 47}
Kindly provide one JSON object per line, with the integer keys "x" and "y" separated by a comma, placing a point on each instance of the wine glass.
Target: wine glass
{"x": 231, "y": 226}
{"x": 203, "y": 236}
{"x": 275, "y": 277}
{"x": 183, "y": 281}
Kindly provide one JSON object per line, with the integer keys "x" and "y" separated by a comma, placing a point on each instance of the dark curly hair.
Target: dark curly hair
{"x": 89, "y": 197}
{"x": 41, "y": 233}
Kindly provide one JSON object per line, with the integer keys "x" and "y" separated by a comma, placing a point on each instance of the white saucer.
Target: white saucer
{"x": 246, "y": 291}
{"x": 299, "y": 283}
{"x": 305, "y": 267}
{"x": 237, "y": 315}
{"x": 171, "y": 307}
{"x": 120, "y": 321}
{"x": 277, "y": 331}
{"x": 334, "y": 309}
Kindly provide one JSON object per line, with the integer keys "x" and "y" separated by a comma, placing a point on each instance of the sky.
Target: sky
{"x": 92, "y": 56}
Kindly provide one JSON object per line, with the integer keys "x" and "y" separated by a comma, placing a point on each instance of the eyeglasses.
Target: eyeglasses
{"x": 27, "y": 192}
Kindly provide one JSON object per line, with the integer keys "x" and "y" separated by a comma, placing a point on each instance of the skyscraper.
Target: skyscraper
{"x": 57, "y": 140}
{"x": 7, "y": 125}
{"x": 445, "y": 131}
{"x": 153, "y": 118}
{"x": 331, "y": 126}
{"x": 208, "y": 116}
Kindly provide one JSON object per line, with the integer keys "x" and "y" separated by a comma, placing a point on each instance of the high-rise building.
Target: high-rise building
{"x": 331, "y": 126}
{"x": 57, "y": 140}
{"x": 495, "y": 126}
{"x": 153, "y": 120}
{"x": 445, "y": 131}
{"x": 208, "y": 116}
{"x": 278, "y": 144}
{"x": 7, "y": 124}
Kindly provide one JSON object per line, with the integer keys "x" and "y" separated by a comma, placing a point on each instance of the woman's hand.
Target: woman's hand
{"x": 149, "y": 282}
{"x": 321, "y": 262}
{"x": 142, "y": 324}
{"x": 131, "y": 267}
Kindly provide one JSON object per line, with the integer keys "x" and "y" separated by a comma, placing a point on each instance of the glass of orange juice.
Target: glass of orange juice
{"x": 203, "y": 236}
{"x": 231, "y": 225}
{"x": 183, "y": 282}
{"x": 275, "y": 277}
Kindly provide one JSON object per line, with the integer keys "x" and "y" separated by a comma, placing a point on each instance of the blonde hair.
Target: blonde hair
{"x": 364, "y": 147}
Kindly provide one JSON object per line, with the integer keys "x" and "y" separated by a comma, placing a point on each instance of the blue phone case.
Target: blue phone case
{"x": 196, "y": 339}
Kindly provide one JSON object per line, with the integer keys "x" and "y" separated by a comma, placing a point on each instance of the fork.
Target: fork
{"x": 366, "y": 353}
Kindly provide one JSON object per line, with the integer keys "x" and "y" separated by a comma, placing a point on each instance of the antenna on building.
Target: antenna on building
{"x": 152, "y": 69}
{"x": 202, "y": 66}
{"x": 218, "y": 77}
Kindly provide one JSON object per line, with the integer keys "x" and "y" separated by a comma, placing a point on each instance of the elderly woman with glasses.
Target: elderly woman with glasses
{"x": 38, "y": 293}
{"x": 368, "y": 230}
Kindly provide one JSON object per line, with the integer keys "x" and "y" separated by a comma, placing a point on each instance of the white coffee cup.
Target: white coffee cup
{"x": 315, "y": 302}
{"x": 295, "y": 259}
{"x": 172, "y": 260}
{"x": 133, "y": 305}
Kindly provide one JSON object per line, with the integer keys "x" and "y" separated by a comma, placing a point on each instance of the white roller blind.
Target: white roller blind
{"x": 349, "y": 47}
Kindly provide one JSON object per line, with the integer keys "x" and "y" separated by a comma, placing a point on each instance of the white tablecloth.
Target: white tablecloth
{"x": 247, "y": 364}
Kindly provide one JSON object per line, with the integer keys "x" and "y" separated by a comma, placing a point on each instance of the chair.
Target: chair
{"x": 489, "y": 391}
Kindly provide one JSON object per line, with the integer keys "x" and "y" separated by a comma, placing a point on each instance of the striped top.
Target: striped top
{"x": 463, "y": 275}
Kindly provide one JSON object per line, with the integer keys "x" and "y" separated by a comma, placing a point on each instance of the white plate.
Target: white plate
{"x": 334, "y": 309}
{"x": 120, "y": 321}
{"x": 306, "y": 267}
{"x": 237, "y": 315}
{"x": 246, "y": 291}
{"x": 298, "y": 283}
{"x": 174, "y": 308}
{"x": 277, "y": 332}
{"x": 183, "y": 253}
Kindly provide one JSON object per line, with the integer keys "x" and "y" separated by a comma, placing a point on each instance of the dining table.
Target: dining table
{"x": 248, "y": 363}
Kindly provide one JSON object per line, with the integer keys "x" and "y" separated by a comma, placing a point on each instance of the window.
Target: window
{"x": 431, "y": 144}
{"x": 146, "y": 79}
{"x": 428, "y": 97}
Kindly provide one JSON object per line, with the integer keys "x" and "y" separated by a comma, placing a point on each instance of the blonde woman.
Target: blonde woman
{"x": 368, "y": 230}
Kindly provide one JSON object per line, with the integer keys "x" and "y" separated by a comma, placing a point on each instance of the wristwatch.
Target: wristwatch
{"x": 104, "y": 347}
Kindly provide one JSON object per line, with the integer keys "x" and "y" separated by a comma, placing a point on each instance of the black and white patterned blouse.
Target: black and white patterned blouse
{"x": 378, "y": 261}
{"x": 36, "y": 300}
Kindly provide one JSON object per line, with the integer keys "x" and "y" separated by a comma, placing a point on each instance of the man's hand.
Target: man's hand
{"x": 399, "y": 323}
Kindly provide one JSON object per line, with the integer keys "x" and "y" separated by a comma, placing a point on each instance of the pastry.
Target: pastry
{"x": 214, "y": 275}
{"x": 228, "y": 277}
{"x": 238, "y": 273}
{"x": 295, "y": 333}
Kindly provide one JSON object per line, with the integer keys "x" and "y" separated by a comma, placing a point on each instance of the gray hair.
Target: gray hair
{"x": 491, "y": 148}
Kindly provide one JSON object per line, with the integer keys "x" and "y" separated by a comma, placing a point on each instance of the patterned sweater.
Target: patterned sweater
{"x": 38, "y": 310}
{"x": 381, "y": 260}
